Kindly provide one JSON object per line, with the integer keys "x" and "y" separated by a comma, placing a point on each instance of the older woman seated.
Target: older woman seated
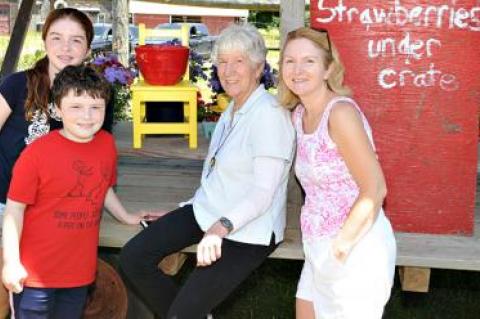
{"x": 237, "y": 215}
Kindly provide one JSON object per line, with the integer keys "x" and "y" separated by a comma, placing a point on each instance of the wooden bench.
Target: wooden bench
{"x": 149, "y": 183}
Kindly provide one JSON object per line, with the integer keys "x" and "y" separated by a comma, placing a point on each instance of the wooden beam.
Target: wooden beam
{"x": 292, "y": 16}
{"x": 120, "y": 40}
{"x": 416, "y": 279}
{"x": 266, "y": 5}
{"x": 172, "y": 264}
{"x": 17, "y": 38}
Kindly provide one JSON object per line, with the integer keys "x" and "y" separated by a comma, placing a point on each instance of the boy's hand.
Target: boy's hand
{"x": 134, "y": 219}
{"x": 151, "y": 215}
{"x": 13, "y": 276}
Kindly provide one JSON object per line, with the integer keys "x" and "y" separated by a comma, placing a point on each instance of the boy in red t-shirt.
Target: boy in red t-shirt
{"x": 60, "y": 184}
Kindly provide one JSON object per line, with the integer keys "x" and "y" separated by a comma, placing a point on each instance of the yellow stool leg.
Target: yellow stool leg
{"x": 192, "y": 121}
{"x": 137, "y": 121}
{"x": 186, "y": 110}
{"x": 143, "y": 111}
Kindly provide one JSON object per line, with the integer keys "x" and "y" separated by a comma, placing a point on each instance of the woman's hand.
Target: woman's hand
{"x": 209, "y": 249}
{"x": 13, "y": 276}
{"x": 341, "y": 249}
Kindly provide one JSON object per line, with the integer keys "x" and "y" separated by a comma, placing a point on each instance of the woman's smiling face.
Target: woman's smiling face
{"x": 238, "y": 75}
{"x": 303, "y": 67}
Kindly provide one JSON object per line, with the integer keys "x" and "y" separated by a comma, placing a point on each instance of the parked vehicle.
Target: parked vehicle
{"x": 200, "y": 40}
{"x": 103, "y": 35}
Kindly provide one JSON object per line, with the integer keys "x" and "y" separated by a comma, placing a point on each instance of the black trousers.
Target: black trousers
{"x": 206, "y": 287}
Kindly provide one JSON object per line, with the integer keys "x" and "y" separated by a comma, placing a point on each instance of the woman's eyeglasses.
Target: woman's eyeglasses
{"x": 323, "y": 30}
{"x": 320, "y": 30}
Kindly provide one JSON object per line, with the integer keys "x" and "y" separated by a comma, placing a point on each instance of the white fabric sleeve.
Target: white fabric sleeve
{"x": 187, "y": 202}
{"x": 267, "y": 173}
{"x": 272, "y": 134}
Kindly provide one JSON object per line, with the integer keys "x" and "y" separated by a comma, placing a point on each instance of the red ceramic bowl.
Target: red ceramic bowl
{"x": 162, "y": 64}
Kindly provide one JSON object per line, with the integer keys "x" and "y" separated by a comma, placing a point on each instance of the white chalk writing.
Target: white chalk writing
{"x": 390, "y": 78}
{"x": 398, "y": 15}
{"x": 407, "y": 46}
{"x": 411, "y": 46}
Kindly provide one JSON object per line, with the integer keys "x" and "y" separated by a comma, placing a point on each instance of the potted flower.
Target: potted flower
{"x": 120, "y": 77}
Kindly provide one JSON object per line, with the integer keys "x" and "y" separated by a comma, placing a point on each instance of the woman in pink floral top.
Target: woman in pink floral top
{"x": 348, "y": 242}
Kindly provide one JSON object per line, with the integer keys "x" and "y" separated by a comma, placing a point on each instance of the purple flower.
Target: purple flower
{"x": 214, "y": 81}
{"x": 196, "y": 67}
{"x": 121, "y": 76}
{"x": 268, "y": 77}
{"x": 110, "y": 74}
{"x": 115, "y": 74}
{"x": 99, "y": 60}
{"x": 113, "y": 71}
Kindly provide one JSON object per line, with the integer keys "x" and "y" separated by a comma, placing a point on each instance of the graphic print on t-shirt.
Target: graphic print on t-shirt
{"x": 96, "y": 194}
{"x": 85, "y": 197}
{"x": 82, "y": 171}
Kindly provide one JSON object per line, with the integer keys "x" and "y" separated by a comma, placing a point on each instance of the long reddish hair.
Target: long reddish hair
{"x": 38, "y": 80}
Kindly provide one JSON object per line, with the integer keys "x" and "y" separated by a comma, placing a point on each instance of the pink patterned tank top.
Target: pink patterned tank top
{"x": 329, "y": 188}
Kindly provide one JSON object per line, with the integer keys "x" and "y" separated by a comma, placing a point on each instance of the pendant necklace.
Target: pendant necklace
{"x": 213, "y": 160}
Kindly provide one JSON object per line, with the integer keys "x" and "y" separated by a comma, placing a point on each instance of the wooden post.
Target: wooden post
{"x": 292, "y": 16}
{"x": 17, "y": 38}
{"x": 47, "y": 6}
{"x": 120, "y": 41}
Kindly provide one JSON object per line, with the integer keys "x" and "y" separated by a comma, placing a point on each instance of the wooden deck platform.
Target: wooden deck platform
{"x": 166, "y": 172}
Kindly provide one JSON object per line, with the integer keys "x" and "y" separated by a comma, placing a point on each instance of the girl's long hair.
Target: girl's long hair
{"x": 38, "y": 80}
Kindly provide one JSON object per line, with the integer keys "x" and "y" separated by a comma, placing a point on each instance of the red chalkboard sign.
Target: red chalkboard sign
{"x": 414, "y": 68}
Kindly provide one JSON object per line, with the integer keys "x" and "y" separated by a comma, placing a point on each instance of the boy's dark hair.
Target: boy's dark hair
{"x": 81, "y": 79}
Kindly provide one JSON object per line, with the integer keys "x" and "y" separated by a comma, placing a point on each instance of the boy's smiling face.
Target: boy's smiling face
{"x": 82, "y": 116}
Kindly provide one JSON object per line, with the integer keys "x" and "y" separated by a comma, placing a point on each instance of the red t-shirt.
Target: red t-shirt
{"x": 64, "y": 184}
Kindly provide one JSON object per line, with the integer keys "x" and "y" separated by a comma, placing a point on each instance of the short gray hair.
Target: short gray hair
{"x": 243, "y": 38}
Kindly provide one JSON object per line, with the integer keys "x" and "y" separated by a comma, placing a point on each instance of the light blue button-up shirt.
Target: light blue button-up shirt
{"x": 260, "y": 128}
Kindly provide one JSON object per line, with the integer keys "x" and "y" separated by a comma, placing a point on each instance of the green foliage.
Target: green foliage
{"x": 272, "y": 38}
{"x": 28, "y": 60}
{"x": 32, "y": 50}
{"x": 121, "y": 103}
{"x": 264, "y": 19}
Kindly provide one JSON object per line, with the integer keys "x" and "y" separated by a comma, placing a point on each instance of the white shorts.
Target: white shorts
{"x": 2, "y": 208}
{"x": 361, "y": 287}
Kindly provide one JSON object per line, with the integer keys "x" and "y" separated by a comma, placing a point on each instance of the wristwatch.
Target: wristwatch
{"x": 226, "y": 223}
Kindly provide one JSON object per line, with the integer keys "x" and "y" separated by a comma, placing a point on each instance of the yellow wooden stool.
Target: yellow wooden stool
{"x": 184, "y": 92}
